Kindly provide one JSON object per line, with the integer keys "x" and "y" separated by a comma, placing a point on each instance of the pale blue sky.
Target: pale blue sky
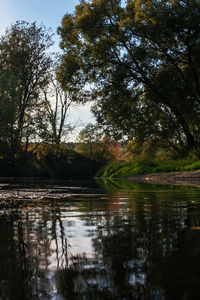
{"x": 50, "y": 13}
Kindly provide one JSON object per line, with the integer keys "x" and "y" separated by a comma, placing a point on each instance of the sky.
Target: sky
{"x": 49, "y": 13}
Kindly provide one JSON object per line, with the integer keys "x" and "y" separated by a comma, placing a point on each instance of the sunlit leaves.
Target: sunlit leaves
{"x": 140, "y": 56}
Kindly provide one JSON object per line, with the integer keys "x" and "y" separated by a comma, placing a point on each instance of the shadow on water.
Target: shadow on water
{"x": 80, "y": 240}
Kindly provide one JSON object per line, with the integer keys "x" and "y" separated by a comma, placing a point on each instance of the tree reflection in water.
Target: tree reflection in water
{"x": 145, "y": 244}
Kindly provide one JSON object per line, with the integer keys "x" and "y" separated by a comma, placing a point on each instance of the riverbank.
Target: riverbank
{"x": 185, "y": 178}
{"x": 153, "y": 171}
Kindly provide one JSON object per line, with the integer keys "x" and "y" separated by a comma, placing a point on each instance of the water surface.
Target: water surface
{"x": 107, "y": 240}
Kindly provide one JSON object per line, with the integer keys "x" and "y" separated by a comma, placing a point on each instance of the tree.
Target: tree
{"x": 24, "y": 72}
{"x": 93, "y": 144}
{"x": 57, "y": 104}
{"x": 142, "y": 60}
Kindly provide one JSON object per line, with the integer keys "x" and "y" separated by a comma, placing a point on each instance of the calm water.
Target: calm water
{"x": 112, "y": 240}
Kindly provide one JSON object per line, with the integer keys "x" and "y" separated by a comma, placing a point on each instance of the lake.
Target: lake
{"x": 98, "y": 240}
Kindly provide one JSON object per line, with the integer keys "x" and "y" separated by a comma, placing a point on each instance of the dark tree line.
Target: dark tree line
{"x": 34, "y": 108}
{"x": 142, "y": 59}
{"x": 24, "y": 74}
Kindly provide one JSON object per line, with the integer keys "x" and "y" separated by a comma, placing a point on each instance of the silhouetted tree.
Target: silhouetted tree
{"x": 142, "y": 60}
{"x": 24, "y": 72}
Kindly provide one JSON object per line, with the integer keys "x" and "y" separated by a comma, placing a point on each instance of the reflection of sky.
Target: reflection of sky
{"x": 78, "y": 238}
{"x": 126, "y": 236}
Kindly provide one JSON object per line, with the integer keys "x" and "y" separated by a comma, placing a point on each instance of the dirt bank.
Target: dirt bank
{"x": 185, "y": 178}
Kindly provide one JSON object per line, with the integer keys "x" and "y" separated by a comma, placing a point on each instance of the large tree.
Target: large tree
{"x": 24, "y": 72}
{"x": 142, "y": 60}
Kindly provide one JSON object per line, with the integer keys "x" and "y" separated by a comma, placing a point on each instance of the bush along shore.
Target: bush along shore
{"x": 145, "y": 169}
{"x": 50, "y": 162}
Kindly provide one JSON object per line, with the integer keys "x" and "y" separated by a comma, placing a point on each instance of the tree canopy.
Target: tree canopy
{"x": 34, "y": 109}
{"x": 24, "y": 72}
{"x": 95, "y": 145}
{"x": 142, "y": 61}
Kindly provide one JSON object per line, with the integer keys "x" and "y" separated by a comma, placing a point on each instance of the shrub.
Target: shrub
{"x": 146, "y": 166}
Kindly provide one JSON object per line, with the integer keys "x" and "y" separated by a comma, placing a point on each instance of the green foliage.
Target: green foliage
{"x": 93, "y": 144}
{"x": 193, "y": 166}
{"x": 124, "y": 169}
{"x": 142, "y": 60}
{"x": 24, "y": 72}
{"x": 146, "y": 166}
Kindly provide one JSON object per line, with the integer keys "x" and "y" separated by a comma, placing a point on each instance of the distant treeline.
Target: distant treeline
{"x": 49, "y": 161}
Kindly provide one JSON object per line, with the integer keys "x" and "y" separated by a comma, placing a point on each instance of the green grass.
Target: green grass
{"x": 146, "y": 166}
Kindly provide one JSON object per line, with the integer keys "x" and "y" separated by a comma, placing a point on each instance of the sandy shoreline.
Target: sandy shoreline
{"x": 182, "y": 178}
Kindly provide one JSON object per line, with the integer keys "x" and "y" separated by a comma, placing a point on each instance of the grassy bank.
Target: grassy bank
{"x": 145, "y": 166}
